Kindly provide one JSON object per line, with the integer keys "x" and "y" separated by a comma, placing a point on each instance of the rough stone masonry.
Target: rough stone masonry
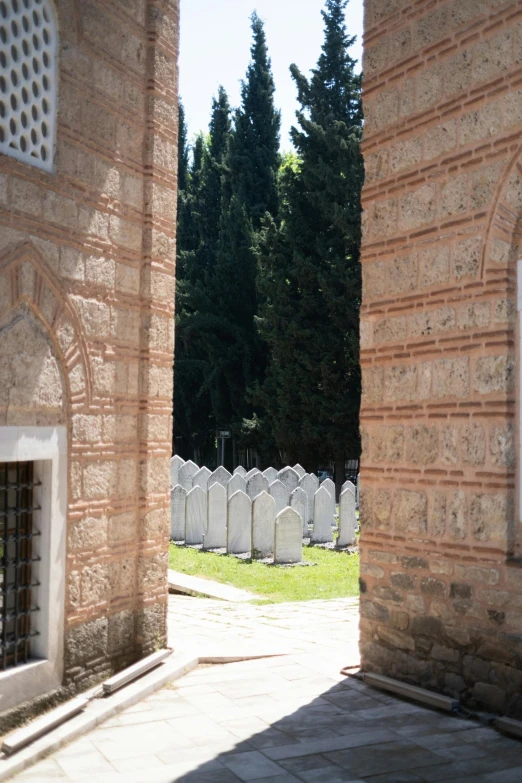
{"x": 87, "y": 259}
{"x": 441, "y": 542}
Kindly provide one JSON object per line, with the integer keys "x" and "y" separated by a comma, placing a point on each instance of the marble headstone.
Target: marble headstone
{"x": 322, "y": 530}
{"x": 236, "y": 483}
{"x": 347, "y": 520}
{"x": 280, "y": 494}
{"x": 216, "y": 533}
{"x": 288, "y": 537}
{"x": 263, "y": 525}
{"x": 271, "y": 474}
{"x": 348, "y": 485}
{"x": 330, "y": 486}
{"x": 239, "y": 527}
{"x": 178, "y": 501}
{"x": 300, "y": 470}
{"x": 175, "y": 464}
{"x": 186, "y": 475}
{"x": 240, "y": 471}
{"x": 256, "y": 484}
{"x": 195, "y": 516}
{"x": 289, "y": 478}
{"x": 219, "y": 476}
{"x": 252, "y": 472}
{"x": 201, "y": 478}
{"x": 299, "y": 501}
{"x": 310, "y": 484}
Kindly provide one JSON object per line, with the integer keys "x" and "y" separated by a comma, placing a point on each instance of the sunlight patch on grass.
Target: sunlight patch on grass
{"x": 333, "y": 575}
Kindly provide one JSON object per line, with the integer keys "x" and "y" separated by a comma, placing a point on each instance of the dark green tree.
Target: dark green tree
{"x": 254, "y": 149}
{"x": 310, "y": 264}
{"x": 249, "y": 191}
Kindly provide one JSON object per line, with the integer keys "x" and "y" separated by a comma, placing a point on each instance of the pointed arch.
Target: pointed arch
{"x": 26, "y": 279}
{"x": 504, "y": 228}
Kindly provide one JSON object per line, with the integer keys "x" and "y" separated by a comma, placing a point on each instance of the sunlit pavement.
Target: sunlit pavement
{"x": 283, "y": 719}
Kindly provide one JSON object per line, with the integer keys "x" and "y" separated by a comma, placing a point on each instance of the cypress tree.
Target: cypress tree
{"x": 311, "y": 265}
{"x": 249, "y": 191}
{"x": 254, "y": 149}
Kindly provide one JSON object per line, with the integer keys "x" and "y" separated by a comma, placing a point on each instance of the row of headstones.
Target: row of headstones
{"x": 280, "y": 484}
{"x": 236, "y": 523}
{"x": 290, "y": 487}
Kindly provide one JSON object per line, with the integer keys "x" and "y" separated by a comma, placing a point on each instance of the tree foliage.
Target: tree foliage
{"x": 311, "y": 269}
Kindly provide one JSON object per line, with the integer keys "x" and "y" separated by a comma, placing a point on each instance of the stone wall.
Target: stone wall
{"x": 441, "y": 586}
{"x": 87, "y": 261}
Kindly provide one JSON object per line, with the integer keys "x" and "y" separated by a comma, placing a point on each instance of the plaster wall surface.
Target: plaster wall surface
{"x": 441, "y": 535}
{"x": 87, "y": 262}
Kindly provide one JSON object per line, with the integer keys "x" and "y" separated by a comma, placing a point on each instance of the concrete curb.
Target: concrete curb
{"x": 195, "y": 586}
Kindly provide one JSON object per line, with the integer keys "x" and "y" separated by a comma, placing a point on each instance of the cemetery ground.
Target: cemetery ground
{"x": 331, "y": 574}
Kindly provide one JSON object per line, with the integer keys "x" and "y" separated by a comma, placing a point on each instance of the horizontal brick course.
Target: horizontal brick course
{"x": 439, "y": 351}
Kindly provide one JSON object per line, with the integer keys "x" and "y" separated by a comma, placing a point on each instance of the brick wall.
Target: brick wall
{"x": 87, "y": 259}
{"x": 441, "y": 590}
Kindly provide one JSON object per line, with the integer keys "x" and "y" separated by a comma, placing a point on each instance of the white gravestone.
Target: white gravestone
{"x": 330, "y": 486}
{"x": 240, "y": 471}
{"x": 239, "y": 527}
{"x": 201, "y": 478}
{"x": 178, "y": 501}
{"x": 216, "y": 533}
{"x": 300, "y": 470}
{"x": 270, "y": 474}
{"x": 289, "y": 478}
{"x": 348, "y": 485}
{"x": 288, "y": 537}
{"x": 256, "y": 484}
{"x": 310, "y": 484}
{"x": 252, "y": 472}
{"x": 175, "y": 464}
{"x": 263, "y": 525}
{"x": 195, "y": 516}
{"x": 236, "y": 484}
{"x": 299, "y": 501}
{"x": 322, "y": 530}
{"x": 347, "y": 520}
{"x": 280, "y": 494}
{"x": 219, "y": 476}
{"x": 186, "y": 475}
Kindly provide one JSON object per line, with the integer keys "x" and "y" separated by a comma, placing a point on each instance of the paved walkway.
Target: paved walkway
{"x": 284, "y": 719}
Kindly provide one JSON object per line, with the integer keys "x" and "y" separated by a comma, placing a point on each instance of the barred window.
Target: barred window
{"x": 28, "y": 81}
{"x": 18, "y": 586}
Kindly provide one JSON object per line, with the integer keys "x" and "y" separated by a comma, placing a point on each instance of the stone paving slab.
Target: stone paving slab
{"x": 285, "y": 719}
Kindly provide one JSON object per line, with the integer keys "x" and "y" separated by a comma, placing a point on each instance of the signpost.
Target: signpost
{"x": 221, "y": 436}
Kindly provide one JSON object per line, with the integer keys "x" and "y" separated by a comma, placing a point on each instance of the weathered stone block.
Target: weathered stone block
{"x": 418, "y": 207}
{"x": 422, "y": 444}
{"x": 388, "y": 444}
{"x": 480, "y": 124}
{"x": 473, "y": 444}
{"x": 494, "y": 374}
{"x": 451, "y": 377}
{"x": 410, "y": 511}
{"x": 455, "y": 195}
{"x": 440, "y": 140}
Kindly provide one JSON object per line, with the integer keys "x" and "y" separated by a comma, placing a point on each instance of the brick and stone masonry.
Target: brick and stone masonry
{"x": 87, "y": 261}
{"x": 441, "y": 535}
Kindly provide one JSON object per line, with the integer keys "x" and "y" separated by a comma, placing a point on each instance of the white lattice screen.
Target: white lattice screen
{"x": 28, "y": 81}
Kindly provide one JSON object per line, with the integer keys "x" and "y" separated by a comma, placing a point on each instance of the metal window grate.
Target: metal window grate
{"x": 16, "y": 558}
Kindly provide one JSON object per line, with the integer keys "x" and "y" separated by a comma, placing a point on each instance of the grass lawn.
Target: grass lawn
{"x": 334, "y": 575}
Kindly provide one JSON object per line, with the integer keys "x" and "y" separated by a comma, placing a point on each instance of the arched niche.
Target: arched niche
{"x": 28, "y": 286}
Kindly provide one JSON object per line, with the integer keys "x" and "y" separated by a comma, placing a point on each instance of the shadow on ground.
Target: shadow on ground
{"x": 353, "y": 733}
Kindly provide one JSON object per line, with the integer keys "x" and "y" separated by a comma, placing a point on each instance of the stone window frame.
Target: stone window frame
{"x": 47, "y": 448}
